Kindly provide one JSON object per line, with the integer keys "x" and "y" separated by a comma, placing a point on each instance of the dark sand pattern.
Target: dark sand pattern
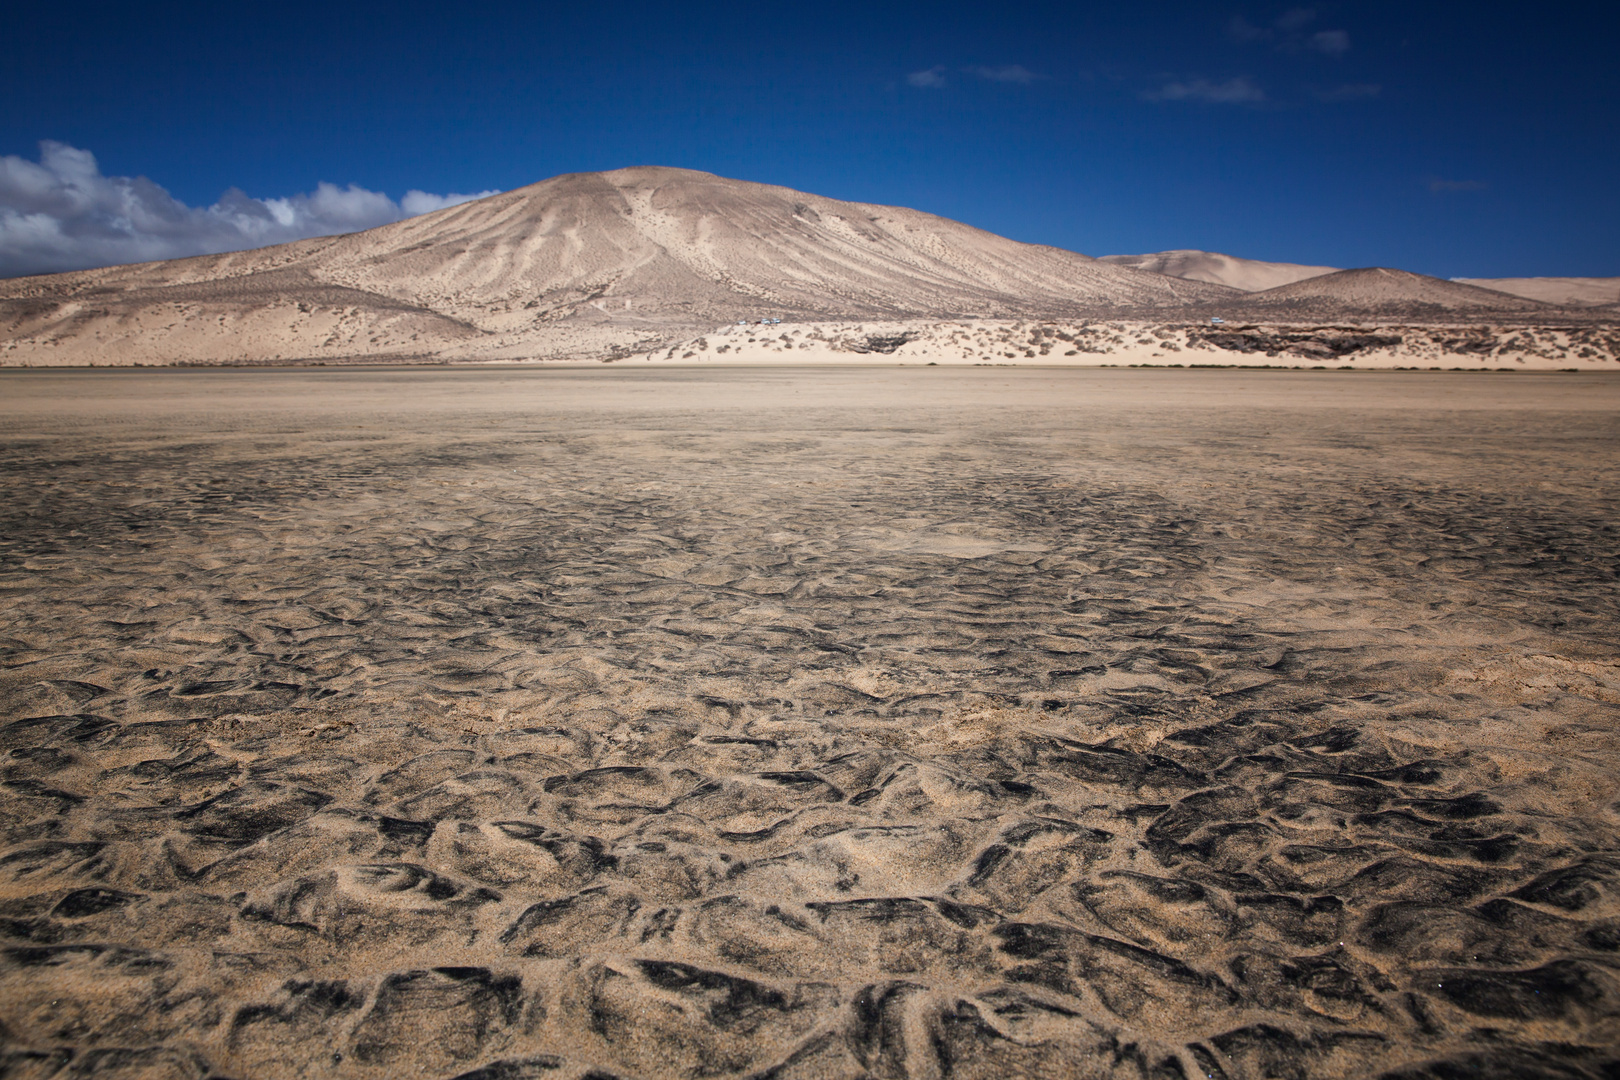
{"x": 809, "y": 724}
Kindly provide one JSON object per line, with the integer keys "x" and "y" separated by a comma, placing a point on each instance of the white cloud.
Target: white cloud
{"x": 62, "y": 213}
{"x": 332, "y": 209}
{"x": 424, "y": 202}
{"x": 1238, "y": 91}
{"x": 1331, "y": 42}
{"x": 932, "y": 79}
{"x": 1008, "y": 73}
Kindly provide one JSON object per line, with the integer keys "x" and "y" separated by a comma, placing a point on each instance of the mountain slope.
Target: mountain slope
{"x": 672, "y": 240}
{"x": 1249, "y": 275}
{"x": 1565, "y": 291}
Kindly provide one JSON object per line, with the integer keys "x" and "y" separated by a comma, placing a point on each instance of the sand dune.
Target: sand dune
{"x": 1250, "y": 275}
{"x": 1564, "y": 291}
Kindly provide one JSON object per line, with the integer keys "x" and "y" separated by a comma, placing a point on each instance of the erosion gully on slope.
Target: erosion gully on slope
{"x": 814, "y": 742}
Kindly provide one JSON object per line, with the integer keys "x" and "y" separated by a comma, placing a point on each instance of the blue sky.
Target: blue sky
{"x": 1448, "y": 138}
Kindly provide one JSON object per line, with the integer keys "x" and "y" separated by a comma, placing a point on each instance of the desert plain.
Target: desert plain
{"x": 659, "y": 721}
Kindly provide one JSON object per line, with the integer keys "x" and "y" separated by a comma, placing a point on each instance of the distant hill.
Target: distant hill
{"x": 1565, "y": 291}
{"x": 1250, "y": 275}
{"x": 1383, "y": 291}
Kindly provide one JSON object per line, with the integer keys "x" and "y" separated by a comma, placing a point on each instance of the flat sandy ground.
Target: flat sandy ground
{"x": 809, "y": 723}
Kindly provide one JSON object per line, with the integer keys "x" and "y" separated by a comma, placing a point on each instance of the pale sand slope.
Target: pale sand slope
{"x": 585, "y": 263}
{"x": 1113, "y": 343}
{"x": 817, "y": 723}
{"x": 1250, "y": 275}
{"x": 1564, "y": 291}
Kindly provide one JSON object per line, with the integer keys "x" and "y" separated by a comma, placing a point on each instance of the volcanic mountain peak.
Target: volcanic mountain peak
{"x": 1250, "y": 275}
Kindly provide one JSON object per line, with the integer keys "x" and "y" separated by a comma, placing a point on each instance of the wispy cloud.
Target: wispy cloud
{"x": 63, "y": 213}
{"x": 1007, "y": 73}
{"x": 1438, "y": 185}
{"x": 931, "y": 79}
{"x": 1329, "y": 42}
{"x": 1290, "y": 33}
{"x": 1238, "y": 91}
{"x": 1350, "y": 92}
{"x": 1295, "y": 19}
{"x": 1241, "y": 30}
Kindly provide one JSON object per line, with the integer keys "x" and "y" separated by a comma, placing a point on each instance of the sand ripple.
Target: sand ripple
{"x": 829, "y": 742}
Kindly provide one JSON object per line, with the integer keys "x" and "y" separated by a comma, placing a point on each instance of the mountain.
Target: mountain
{"x": 1391, "y": 293}
{"x": 581, "y": 264}
{"x": 602, "y": 265}
{"x": 1564, "y": 291}
{"x": 1250, "y": 275}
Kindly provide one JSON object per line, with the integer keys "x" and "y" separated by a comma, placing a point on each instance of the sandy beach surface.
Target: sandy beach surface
{"x": 843, "y": 722}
